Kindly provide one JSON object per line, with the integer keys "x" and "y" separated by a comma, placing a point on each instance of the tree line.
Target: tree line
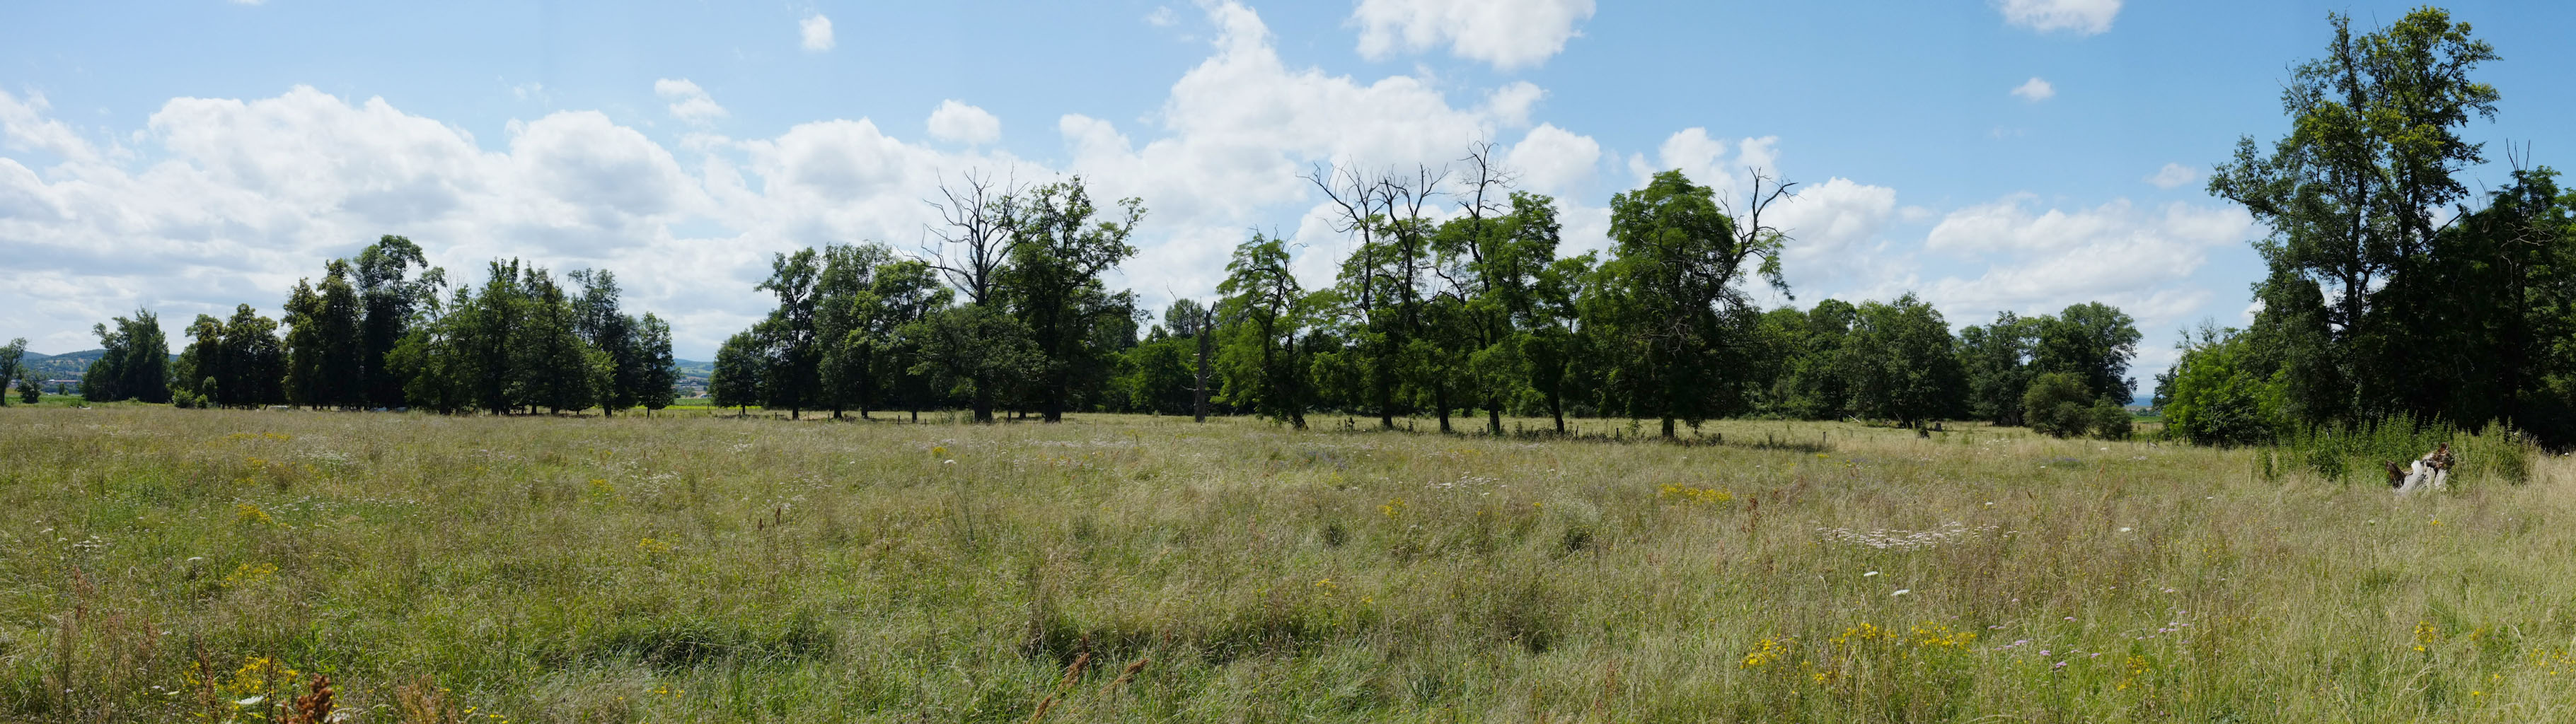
{"x": 2387, "y": 294}
{"x": 375, "y": 333}
{"x": 1455, "y": 301}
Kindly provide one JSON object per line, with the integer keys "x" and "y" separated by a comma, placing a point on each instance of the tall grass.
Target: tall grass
{"x": 2498, "y": 453}
{"x": 160, "y": 565}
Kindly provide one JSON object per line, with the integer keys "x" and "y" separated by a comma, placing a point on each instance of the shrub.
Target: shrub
{"x": 2056, "y": 405}
{"x": 2110, "y": 420}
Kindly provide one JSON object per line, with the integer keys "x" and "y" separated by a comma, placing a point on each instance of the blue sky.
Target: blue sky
{"x": 2014, "y": 155}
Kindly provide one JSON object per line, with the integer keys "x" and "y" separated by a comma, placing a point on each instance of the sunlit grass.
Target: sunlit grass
{"x": 696, "y": 568}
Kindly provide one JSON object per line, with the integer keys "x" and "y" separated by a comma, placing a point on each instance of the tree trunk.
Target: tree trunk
{"x": 1668, "y": 427}
{"x": 1200, "y": 396}
{"x": 1494, "y": 416}
{"x": 1440, "y": 397}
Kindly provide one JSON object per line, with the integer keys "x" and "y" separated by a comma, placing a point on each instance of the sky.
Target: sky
{"x": 2006, "y": 155}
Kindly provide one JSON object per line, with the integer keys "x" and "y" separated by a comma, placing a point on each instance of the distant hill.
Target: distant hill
{"x": 65, "y": 366}
{"x": 694, "y": 368}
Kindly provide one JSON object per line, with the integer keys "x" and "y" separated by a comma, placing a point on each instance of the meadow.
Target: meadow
{"x": 204, "y": 565}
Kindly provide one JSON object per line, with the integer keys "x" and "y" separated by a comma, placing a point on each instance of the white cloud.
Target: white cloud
{"x": 1162, "y": 17}
{"x": 1554, "y": 160}
{"x": 1704, "y": 160}
{"x": 2173, "y": 175}
{"x": 2116, "y": 253}
{"x": 1830, "y": 222}
{"x": 960, "y": 123}
{"x": 689, "y": 103}
{"x": 2035, "y": 90}
{"x": 25, "y": 127}
{"x": 222, "y": 201}
{"x": 1506, "y": 33}
{"x": 2082, "y": 17}
{"x": 816, "y": 32}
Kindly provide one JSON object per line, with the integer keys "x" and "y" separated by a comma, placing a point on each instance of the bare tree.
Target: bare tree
{"x": 979, "y": 222}
{"x": 1361, "y": 208}
{"x": 1754, "y": 238}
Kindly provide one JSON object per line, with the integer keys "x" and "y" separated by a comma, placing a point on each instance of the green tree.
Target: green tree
{"x": 2094, "y": 342}
{"x": 1998, "y": 359}
{"x": 323, "y": 353}
{"x": 9, "y": 367}
{"x": 1497, "y": 259}
{"x": 2353, "y": 194}
{"x": 551, "y": 367}
{"x": 1677, "y": 296}
{"x": 1556, "y": 345}
{"x": 738, "y": 366}
{"x": 902, "y": 292}
{"x": 656, "y": 376}
{"x": 1812, "y": 383}
{"x": 1055, "y": 290}
{"x": 1264, "y": 368}
{"x": 2218, "y": 392}
{"x": 391, "y": 301}
{"x": 135, "y": 363}
{"x": 972, "y": 351}
{"x": 845, "y": 301}
{"x": 794, "y": 377}
{"x": 252, "y": 369}
{"x": 1902, "y": 364}
{"x": 2058, "y": 404}
{"x": 194, "y": 377}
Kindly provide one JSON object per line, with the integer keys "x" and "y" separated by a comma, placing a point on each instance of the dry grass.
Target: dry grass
{"x": 160, "y": 564}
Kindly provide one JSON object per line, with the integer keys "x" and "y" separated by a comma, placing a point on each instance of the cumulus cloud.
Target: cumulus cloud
{"x": 1554, "y": 160}
{"x": 2082, "y": 17}
{"x": 689, "y": 103}
{"x": 1720, "y": 164}
{"x": 24, "y": 126}
{"x": 1828, "y": 223}
{"x": 1505, "y": 33}
{"x": 960, "y": 123}
{"x": 2173, "y": 175}
{"x": 2035, "y": 90}
{"x": 223, "y": 201}
{"x": 816, "y": 32}
{"x": 2117, "y": 253}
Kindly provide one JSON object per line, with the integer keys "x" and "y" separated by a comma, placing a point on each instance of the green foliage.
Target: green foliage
{"x": 2367, "y": 275}
{"x": 2218, "y": 393}
{"x": 2360, "y": 454}
{"x": 135, "y": 364}
{"x": 1263, "y": 308}
{"x": 391, "y": 302}
{"x": 2058, "y": 405}
{"x": 973, "y": 351}
{"x": 10, "y": 370}
{"x": 1901, "y": 364}
{"x": 1054, "y": 288}
{"x": 1998, "y": 360}
{"x": 1672, "y": 299}
{"x": 2094, "y": 342}
{"x": 738, "y": 366}
{"x": 2111, "y": 420}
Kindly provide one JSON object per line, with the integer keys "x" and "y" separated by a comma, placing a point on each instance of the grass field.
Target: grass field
{"x": 169, "y": 565}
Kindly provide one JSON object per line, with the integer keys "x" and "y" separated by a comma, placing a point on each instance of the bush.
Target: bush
{"x": 2214, "y": 395}
{"x": 2110, "y": 420}
{"x": 2056, "y": 405}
